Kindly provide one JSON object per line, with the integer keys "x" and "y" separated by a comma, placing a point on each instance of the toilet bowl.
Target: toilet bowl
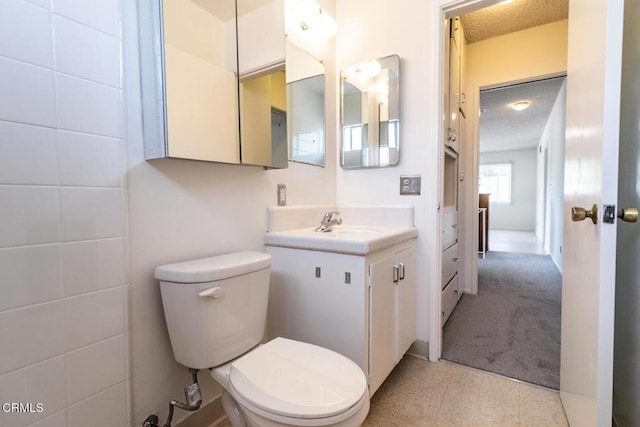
{"x": 291, "y": 383}
{"x": 215, "y": 309}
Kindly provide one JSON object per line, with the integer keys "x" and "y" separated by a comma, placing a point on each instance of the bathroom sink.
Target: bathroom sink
{"x": 345, "y": 230}
{"x": 348, "y": 239}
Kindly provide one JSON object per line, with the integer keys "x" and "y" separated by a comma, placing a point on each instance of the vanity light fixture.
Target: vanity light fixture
{"x": 506, "y": 1}
{"x": 520, "y": 105}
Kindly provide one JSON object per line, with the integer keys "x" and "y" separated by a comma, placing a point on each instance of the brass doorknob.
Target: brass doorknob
{"x": 579, "y": 214}
{"x": 628, "y": 214}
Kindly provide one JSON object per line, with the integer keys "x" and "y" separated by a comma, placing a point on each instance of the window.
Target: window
{"x": 495, "y": 178}
{"x": 352, "y": 137}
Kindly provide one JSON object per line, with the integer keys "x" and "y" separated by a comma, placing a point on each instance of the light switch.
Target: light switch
{"x": 282, "y": 195}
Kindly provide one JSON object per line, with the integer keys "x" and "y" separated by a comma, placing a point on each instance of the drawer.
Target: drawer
{"x": 449, "y": 228}
{"x": 449, "y": 299}
{"x": 449, "y": 264}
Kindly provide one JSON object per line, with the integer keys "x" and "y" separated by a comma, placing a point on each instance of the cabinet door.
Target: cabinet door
{"x": 453, "y": 135}
{"x": 449, "y": 299}
{"x": 382, "y": 330}
{"x": 449, "y": 227}
{"x": 449, "y": 264}
{"x": 405, "y": 302}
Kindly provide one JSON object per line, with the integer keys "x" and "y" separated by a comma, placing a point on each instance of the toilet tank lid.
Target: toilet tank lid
{"x": 213, "y": 268}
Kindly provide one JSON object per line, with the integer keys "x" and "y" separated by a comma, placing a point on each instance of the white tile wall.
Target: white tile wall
{"x": 21, "y": 284}
{"x": 28, "y": 92}
{"x": 30, "y": 27}
{"x": 93, "y": 265}
{"x": 35, "y": 333}
{"x": 84, "y": 52}
{"x": 103, "y": 409}
{"x": 95, "y": 368}
{"x": 93, "y": 317}
{"x": 85, "y": 106}
{"x": 27, "y": 154}
{"x": 63, "y": 227}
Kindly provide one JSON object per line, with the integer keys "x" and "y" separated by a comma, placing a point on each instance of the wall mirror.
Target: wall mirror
{"x": 263, "y": 99}
{"x": 306, "y": 101}
{"x": 213, "y": 86}
{"x": 370, "y": 113}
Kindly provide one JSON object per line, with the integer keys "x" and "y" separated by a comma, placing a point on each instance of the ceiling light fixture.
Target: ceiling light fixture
{"x": 311, "y": 19}
{"x": 520, "y": 105}
{"x": 506, "y": 1}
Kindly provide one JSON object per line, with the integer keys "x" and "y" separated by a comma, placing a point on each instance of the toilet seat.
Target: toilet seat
{"x": 291, "y": 379}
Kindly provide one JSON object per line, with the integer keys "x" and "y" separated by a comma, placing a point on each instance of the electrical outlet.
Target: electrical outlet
{"x": 282, "y": 195}
{"x": 410, "y": 184}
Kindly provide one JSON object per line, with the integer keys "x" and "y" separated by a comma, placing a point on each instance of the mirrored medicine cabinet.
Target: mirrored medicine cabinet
{"x": 214, "y": 83}
{"x": 370, "y": 114}
{"x": 306, "y": 101}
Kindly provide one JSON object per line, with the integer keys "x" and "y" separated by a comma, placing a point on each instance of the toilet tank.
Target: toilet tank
{"x": 216, "y": 307}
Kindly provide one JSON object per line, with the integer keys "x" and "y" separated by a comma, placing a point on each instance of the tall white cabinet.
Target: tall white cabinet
{"x": 453, "y": 136}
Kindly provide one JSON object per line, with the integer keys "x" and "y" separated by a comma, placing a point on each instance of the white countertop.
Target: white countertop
{"x": 347, "y": 239}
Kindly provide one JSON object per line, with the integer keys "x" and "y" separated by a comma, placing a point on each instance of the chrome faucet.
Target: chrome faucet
{"x": 328, "y": 221}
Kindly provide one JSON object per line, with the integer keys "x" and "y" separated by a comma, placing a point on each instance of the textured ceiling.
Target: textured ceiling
{"x": 519, "y": 15}
{"x": 503, "y": 128}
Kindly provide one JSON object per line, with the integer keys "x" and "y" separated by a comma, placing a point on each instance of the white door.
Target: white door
{"x": 591, "y": 177}
{"x": 626, "y": 375}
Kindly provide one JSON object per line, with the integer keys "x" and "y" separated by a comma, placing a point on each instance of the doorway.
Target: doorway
{"x": 491, "y": 78}
{"x": 511, "y": 326}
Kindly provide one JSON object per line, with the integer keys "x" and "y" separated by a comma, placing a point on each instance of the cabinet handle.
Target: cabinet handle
{"x": 455, "y": 259}
{"x": 401, "y": 271}
{"x": 452, "y": 135}
{"x": 395, "y": 274}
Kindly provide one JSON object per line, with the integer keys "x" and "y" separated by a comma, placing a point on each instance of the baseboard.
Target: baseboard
{"x": 419, "y": 349}
{"x": 206, "y": 416}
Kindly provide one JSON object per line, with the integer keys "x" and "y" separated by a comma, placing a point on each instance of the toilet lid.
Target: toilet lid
{"x": 297, "y": 379}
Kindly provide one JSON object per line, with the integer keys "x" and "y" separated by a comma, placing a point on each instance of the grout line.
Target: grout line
{"x": 443, "y": 398}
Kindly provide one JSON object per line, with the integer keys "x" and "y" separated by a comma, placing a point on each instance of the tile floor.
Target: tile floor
{"x": 515, "y": 241}
{"x": 420, "y": 393}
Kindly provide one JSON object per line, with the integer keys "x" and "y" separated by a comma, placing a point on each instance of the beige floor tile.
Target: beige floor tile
{"x": 476, "y": 398}
{"x": 425, "y": 394}
{"x": 412, "y": 393}
{"x": 541, "y": 407}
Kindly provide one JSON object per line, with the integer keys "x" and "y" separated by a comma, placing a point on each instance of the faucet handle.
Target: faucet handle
{"x": 329, "y": 215}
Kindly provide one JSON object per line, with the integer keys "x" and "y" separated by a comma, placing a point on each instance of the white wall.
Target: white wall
{"x": 553, "y": 139}
{"x": 63, "y": 222}
{"x": 521, "y": 213}
{"x": 181, "y": 210}
{"x": 378, "y": 28}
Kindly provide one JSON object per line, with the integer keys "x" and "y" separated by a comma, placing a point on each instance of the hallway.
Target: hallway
{"x": 515, "y": 241}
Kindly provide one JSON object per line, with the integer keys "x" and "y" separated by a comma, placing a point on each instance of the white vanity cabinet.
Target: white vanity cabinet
{"x": 362, "y": 306}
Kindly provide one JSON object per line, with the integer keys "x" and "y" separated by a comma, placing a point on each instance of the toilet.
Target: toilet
{"x": 216, "y": 310}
